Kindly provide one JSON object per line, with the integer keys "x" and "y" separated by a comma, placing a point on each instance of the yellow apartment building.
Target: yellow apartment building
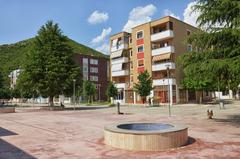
{"x": 152, "y": 46}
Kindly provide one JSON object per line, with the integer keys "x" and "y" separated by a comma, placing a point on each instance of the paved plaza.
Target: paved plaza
{"x": 79, "y": 134}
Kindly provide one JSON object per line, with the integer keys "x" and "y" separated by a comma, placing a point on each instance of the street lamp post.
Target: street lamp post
{"x": 74, "y": 83}
{"x": 169, "y": 108}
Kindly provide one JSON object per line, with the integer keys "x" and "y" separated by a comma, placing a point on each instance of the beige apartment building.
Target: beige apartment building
{"x": 152, "y": 46}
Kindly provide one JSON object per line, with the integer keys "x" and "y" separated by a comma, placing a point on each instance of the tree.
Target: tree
{"x": 4, "y": 90}
{"x": 111, "y": 91}
{"x": 144, "y": 85}
{"x": 89, "y": 89}
{"x": 49, "y": 68}
{"x": 215, "y": 64}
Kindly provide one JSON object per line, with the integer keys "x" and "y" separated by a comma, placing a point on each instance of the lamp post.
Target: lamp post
{"x": 169, "y": 108}
{"x": 74, "y": 83}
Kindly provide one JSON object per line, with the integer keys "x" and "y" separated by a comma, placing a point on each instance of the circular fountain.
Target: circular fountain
{"x": 147, "y": 136}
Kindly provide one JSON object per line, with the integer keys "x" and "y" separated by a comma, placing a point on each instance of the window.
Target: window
{"x": 85, "y": 68}
{"x": 93, "y": 61}
{"x": 120, "y": 95}
{"x": 131, "y": 79}
{"x": 140, "y": 63}
{"x": 140, "y": 48}
{"x": 130, "y": 52}
{"x": 189, "y": 47}
{"x": 139, "y": 34}
{"x": 85, "y": 76}
{"x": 119, "y": 42}
{"x": 93, "y": 78}
{"x": 93, "y": 69}
{"x": 85, "y": 60}
{"x": 130, "y": 39}
{"x": 171, "y": 25}
{"x": 131, "y": 65}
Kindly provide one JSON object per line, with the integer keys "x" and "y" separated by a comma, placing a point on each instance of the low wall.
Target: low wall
{"x": 7, "y": 109}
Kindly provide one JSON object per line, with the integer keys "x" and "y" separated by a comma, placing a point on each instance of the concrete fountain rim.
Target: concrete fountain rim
{"x": 114, "y": 128}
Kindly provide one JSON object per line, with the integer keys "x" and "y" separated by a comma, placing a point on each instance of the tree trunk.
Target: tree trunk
{"x": 51, "y": 101}
{"x": 201, "y": 97}
{"x": 143, "y": 100}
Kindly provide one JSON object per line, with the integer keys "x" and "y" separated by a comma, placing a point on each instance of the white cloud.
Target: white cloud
{"x": 98, "y": 17}
{"x": 104, "y": 48}
{"x": 102, "y": 37}
{"x": 168, "y": 12}
{"x": 189, "y": 15}
{"x": 139, "y": 15}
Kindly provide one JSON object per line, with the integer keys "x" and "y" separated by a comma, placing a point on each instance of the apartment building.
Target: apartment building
{"x": 13, "y": 76}
{"x": 152, "y": 46}
{"x": 96, "y": 70}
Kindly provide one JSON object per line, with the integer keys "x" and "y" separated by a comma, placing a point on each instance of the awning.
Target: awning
{"x": 116, "y": 67}
{"x": 162, "y": 57}
{"x": 116, "y": 54}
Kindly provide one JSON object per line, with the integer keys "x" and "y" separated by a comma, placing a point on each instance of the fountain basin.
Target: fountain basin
{"x": 145, "y": 136}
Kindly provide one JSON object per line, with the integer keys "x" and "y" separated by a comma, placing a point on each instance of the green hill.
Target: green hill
{"x": 13, "y": 55}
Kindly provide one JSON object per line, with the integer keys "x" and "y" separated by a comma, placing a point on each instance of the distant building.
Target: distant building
{"x": 96, "y": 70}
{"x": 13, "y": 78}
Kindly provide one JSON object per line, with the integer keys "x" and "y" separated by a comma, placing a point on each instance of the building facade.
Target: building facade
{"x": 96, "y": 70}
{"x": 13, "y": 76}
{"x": 152, "y": 46}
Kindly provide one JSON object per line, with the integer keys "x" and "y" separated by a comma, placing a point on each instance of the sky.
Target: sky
{"x": 89, "y": 22}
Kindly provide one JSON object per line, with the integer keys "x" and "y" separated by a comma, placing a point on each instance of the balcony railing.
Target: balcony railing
{"x": 121, "y": 85}
{"x": 163, "y": 66}
{"x": 119, "y": 47}
{"x": 120, "y": 73}
{"x": 119, "y": 60}
{"x": 163, "y": 50}
{"x": 162, "y": 35}
{"x": 162, "y": 82}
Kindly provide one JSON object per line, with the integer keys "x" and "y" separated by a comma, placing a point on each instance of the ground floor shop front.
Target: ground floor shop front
{"x": 162, "y": 95}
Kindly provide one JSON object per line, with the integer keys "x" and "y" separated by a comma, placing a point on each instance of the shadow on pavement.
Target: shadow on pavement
{"x": 9, "y": 151}
{"x": 5, "y": 132}
{"x": 231, "y": 119}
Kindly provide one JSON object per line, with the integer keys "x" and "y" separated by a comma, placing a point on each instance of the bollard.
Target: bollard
{"x": 118, "y": 107}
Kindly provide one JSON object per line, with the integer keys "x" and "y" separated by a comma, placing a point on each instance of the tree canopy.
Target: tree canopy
{"x": 49, "y": 69}
{"x": 144, "y": 85}
{"x": 111, "y": 90}
{"x": 214, "y": 64}
{"x": 89, "y": 89}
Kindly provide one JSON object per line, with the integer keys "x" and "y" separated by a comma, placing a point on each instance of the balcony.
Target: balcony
{"x": 121, "y": 85}
{"x": 119, "y": 47}
{"x": 163, "y": 82}
{"x": 162, "y": 66}
{"x": 120, "y": 73}
{"x": 162, "y": 35}
{"x": 119, "y": 60}
{"x": 163, "y": 50}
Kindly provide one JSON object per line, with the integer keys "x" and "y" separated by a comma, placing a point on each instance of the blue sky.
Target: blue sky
{"x": 21, "y": 19}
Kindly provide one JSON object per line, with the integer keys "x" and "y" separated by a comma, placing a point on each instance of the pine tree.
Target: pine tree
{"x": 49, "y": 69}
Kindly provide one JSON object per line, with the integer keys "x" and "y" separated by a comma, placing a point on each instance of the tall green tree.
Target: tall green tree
{"x": 112, "y": 91}
{"x": 50, "y": 69}
{"x": 214, "y": 64}
{"x": 144, "y": 85}
{"x": 89, "y": 90}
